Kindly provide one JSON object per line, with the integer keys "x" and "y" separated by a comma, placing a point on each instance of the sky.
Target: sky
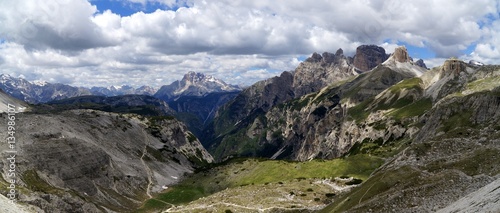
{"x": 155, "y": 42}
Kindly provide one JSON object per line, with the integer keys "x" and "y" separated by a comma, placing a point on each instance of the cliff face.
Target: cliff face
{"x": 369, "y": 56}
{"x": 319, "y": 71}
{"x": 92, "y": 161}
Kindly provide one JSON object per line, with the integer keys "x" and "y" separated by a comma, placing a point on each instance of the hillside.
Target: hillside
{"x": 94, "y": 161}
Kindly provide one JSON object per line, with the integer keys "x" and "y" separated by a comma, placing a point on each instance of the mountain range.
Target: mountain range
{"x": 192, "y": 84}
{"x": 375, "y": 132}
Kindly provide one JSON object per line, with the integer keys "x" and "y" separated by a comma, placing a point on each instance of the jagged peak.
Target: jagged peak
{"x": 401, "y": 54}
{"x": 339, "y": 52}
{"x": 368, "y": 56}
{"x": 315, "y": 57}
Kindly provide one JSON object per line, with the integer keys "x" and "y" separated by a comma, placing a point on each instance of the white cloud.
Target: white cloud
{"x": 238, "y": 41}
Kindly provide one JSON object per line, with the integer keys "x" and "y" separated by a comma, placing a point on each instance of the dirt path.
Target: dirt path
{"x": 148, "y": 170}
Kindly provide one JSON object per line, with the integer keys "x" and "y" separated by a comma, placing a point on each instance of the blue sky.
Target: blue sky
{"x": 155, "y": 42}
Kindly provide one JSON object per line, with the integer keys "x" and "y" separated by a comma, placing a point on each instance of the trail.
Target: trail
{"x": 204, "y": 207}
{"x": 148, "y": 170}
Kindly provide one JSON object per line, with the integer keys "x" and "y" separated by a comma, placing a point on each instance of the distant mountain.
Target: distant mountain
{"x": 138, "y": 104}
{"x": 122, "y": 90}
{"x": 38, "y": 92}
{"x": 194, "y": 84}
{"x": 42, "y": 92}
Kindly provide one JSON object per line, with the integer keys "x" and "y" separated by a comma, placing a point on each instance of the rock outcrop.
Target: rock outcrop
{"x": 401, "y": 55}
{"x": 369, "y": 56}
{"x": 319, "y": 71}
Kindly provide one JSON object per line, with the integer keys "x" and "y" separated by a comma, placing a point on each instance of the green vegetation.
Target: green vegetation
{"x": 245, "y": 172}
{"x": 459, "y": 119}
{"x": 412, "y": 83}
{"x": 414, "y": 109}
{"x": 378, "y": 148}
{"x": 376, "y": 185}
{"x": 484, "y": 84}
{"x": 479, "y": 162}
{"x": 359, "y": 112}
{"x": 35, "y": 183}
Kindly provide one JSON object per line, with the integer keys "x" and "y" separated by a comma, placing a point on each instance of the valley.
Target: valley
{"x": 375, "y": 132}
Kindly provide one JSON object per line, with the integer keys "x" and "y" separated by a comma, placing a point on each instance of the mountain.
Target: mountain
{"x": 138, "y": 104}
{"x": 319, "y": 71}
{"x": 94, "y": 161}
{"x": 194, "y": 84}
{"x": 445, "y": 138}
{"x": 122, "y": 90}
{"x": 38, "y": 92}
{"x": 42, "y": 92}
{"x": 312, "y": 125}
{"x": 198, "y": 111}
{"x": 310, "y": 76}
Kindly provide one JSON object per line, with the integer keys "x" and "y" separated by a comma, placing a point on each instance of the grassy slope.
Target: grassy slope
{"x": 241, "y": 172}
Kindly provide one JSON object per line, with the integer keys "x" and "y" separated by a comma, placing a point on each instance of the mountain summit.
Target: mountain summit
{"x": 194, "y": 84}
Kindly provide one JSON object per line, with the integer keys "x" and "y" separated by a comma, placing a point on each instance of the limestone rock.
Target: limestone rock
{"x": 369, "y": 56}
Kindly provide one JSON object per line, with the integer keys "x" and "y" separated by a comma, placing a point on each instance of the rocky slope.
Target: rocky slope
{"x": 451, "y": 158}
{"x": 6, "y": 100}
{"x": 194, "y": 84}
{"x": 94, "y": 161}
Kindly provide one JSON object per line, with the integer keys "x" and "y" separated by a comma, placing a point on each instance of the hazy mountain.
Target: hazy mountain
{"x": 138, "y": 104}
{"x": 38, "y": 92}
{"x": 122, "y": 90}
{"x": 194, "y": 84}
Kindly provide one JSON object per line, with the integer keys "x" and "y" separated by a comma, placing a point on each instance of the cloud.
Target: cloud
{"x": 238, "y": 41}
{"x": 59, "y": 24}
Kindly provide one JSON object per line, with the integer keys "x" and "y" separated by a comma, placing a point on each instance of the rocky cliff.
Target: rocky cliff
{"x": 319, "y": 71}
{"x": 369, "y": 56}
{"x": 93, "y": 161}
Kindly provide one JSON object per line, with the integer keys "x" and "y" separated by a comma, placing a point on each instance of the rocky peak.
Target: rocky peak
{"x": 194, "y": 84}
{"x": 339, "y": 52}
{"x": 194, "y": 77}
{"x": 401, "y": 54}
{"x": 314, "y": 58}
{"x": 421, "y": 63}
{"x": 369, "y": 56}
{"x": 454, "y": 66}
